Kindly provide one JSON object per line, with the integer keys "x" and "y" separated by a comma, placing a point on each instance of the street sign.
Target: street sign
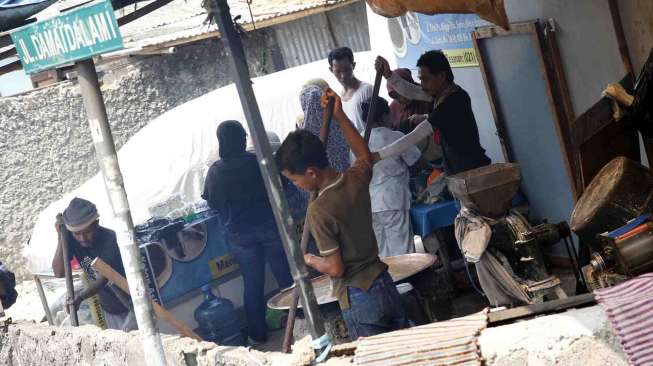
{"x": 78, "y": 34}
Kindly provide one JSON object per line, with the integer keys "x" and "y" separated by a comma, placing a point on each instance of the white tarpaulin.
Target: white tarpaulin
{"x": 172, "y": 153}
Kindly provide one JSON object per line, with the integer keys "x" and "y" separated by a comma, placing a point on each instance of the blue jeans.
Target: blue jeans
{"x": 251, "y": 250}
{"x": 375, "y": 311}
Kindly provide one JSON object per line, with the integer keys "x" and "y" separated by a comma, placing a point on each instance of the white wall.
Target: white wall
{"x": 587, "y": 42}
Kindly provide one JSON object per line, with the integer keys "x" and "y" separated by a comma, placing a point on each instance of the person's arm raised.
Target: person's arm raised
{"x": 356, "y": 142}
{"x": 401, "y": 86}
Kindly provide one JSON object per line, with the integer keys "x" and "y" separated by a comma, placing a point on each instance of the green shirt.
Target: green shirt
{"x": 341, "y": 219}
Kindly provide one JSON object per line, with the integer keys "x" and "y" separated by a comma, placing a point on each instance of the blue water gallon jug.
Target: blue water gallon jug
{"x": 218, "y": 321}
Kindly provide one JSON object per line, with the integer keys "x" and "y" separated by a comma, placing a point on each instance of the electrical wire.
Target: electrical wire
{"x": 471, "y": 280}
{"x": 249, "y": 5}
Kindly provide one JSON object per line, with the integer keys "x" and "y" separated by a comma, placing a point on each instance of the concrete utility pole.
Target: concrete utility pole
{"x": 105, "y": 151}
{"x": 271, "y": 177}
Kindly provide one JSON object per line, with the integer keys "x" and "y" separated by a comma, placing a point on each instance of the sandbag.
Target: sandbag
{"x": 490, "y": 10}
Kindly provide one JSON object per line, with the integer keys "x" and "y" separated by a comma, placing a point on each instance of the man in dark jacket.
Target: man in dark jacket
{"x": 452, "y": 114}
{"x": 234, "y": 187}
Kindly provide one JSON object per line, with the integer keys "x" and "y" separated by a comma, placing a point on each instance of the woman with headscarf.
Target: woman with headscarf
{"x": 234, "y": 187}
{"x": 336, "y": 149}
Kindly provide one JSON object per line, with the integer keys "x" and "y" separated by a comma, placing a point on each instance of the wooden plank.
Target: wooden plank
{"x": 561, "y": 124}
{"x": 615, "y": 139}
{"x": 5, "y": 39}
{"x": 503, "y": 316}
{"x": 621, "y": 38}
{"x": 596, "y": 117}
{"x": 12, "y": 66}
{"x": 11, "y": 51}
{"x": 345, "y": 349}
{"x": 44, "y": 299}
{"x": 599, "y": 138}
{"x": 142, "y": 11}
{"x": 495, "y": 31}
{"x": 114, "y": 277}
{"x": 491, "y": 93}
{"x": 563, "y": 95}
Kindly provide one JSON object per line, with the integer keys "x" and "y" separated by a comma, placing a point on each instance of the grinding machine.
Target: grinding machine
{"x": 515, "y": 245}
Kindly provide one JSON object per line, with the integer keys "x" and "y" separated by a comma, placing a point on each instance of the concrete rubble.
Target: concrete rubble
{"x": 580, "y": 337}
{"x": 576, "y": 337}
{"x": 37, "y": 344}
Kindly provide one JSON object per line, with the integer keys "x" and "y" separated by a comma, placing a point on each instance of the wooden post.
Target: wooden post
{"x": 372, "y": 111}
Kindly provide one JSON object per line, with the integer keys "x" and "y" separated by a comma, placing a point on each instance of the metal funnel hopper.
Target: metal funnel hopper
{"x": 487, "y": 190}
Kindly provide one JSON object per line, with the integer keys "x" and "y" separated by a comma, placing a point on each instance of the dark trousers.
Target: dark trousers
{"x": 375, "y": 311}
{"x": 251, "y": 251}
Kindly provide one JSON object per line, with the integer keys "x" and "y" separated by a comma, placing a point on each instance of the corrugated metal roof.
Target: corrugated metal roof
{"x": 452, "y": 342}
{"x": 182, "y": 20}
{"x": 310, "y": 38}
{"x": 185, "y": 20}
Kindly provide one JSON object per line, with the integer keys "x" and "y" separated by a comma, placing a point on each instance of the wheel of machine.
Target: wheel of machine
{"x": 621, "y": 191}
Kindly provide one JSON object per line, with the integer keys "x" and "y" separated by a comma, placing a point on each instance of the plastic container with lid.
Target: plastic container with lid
{"x": 218, "y": 320}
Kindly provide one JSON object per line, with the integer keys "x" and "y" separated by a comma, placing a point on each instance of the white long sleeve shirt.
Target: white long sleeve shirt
{"x": 389, "y": 188}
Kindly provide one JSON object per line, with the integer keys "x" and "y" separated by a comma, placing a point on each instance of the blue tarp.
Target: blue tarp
{"x": 8, "y": 4}
{"x": 14, "y": 12}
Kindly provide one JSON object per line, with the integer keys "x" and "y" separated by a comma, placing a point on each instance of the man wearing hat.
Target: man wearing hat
{"x": 88, "y": 240}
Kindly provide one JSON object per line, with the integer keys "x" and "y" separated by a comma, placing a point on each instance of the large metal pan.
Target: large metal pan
{"x": 400, "y": 267}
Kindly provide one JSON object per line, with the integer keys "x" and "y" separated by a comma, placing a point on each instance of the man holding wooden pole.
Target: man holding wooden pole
{"x": 340, "y": 220}
{"x": 86, "y": 240}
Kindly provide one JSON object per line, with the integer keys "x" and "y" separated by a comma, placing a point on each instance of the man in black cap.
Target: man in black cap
{"x": 88, "y": 240}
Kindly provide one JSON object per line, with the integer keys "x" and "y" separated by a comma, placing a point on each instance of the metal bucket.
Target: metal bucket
{"x": 487, "y": 190}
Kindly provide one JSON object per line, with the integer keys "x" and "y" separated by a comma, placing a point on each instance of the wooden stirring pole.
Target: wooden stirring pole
{"x": 120, "y": 281}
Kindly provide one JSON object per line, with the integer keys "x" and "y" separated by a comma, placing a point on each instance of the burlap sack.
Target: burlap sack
{"x": 490, "y": 10}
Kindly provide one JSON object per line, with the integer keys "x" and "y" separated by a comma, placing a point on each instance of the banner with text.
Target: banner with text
{"x": 413, "y": 34}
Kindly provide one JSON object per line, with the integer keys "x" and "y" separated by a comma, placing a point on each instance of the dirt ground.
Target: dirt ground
{"x": 28, "y": 305}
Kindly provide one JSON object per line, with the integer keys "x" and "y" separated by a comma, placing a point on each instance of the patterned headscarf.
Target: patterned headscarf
{"x": 337, "y": 149}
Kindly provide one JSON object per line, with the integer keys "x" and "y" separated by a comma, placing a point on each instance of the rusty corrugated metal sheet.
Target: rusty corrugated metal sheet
{"x": 452, "y": 342}
{"x": 184, "y": 20}
{"x": 304, "y": 40}
{"x": 348, "y": 23}
{"x": 311, "y": 38}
